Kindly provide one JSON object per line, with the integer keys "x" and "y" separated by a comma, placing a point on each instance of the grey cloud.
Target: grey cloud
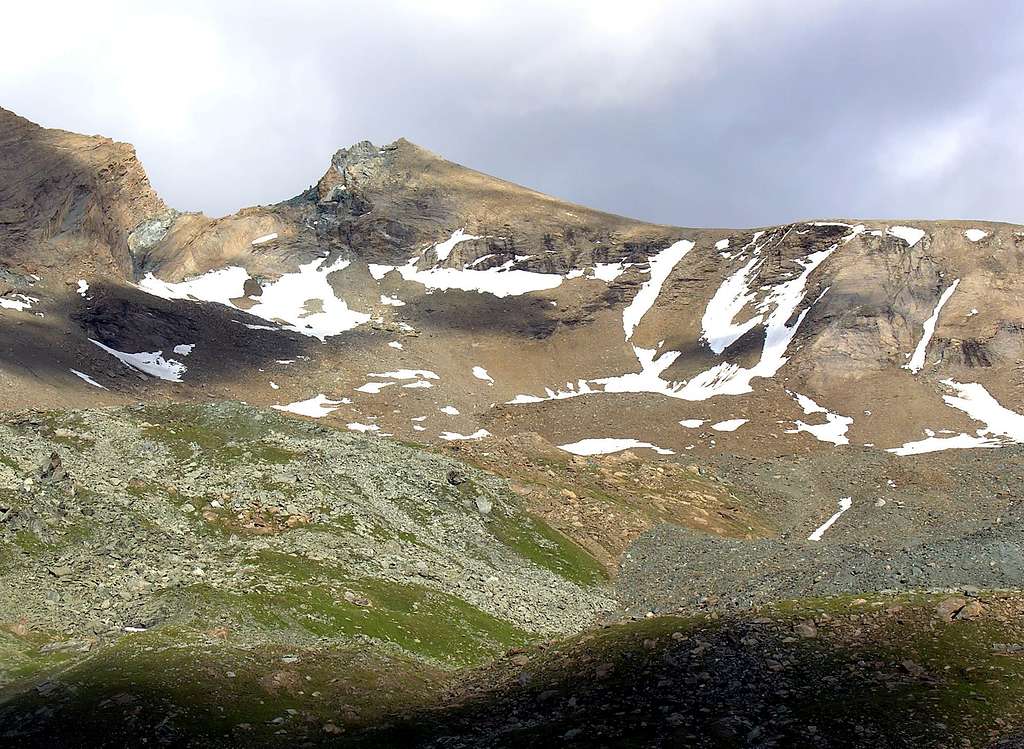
{"x": 722, "y": 114}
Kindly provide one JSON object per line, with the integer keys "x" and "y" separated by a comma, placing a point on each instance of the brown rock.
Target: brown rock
{"x": 948, "y": 609}
{"x": 971, "y": 610}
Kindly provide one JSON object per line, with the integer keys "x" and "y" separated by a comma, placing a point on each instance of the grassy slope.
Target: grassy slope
{"x": 880, "y": 673}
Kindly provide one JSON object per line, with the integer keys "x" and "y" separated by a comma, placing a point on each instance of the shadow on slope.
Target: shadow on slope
{"x": 822, "y": 673}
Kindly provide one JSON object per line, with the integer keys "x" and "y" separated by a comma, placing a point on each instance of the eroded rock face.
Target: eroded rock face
{"x": 69, "y": 202}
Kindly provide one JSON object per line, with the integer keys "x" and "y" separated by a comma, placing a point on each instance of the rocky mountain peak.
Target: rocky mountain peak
{"x": 69, "y": 202}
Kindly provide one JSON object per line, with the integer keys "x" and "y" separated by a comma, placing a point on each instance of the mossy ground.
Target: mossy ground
{"x": 533, "y": 539}
{"x": 896, "y": 677}
{"x": 178, "y": 687}
{"x": 889, "y": 674}
{"x": 21, "y": 656}
{"x": 966, "y": 683}
{"x": 293, "y": 598}
{"x": 229, "y": 437}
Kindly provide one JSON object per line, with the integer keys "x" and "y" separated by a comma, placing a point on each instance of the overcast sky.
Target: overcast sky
{"x": 697, "y": 113}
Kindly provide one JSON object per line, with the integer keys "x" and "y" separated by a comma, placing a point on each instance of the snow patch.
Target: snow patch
{"x": 607, "y": 445}
{"x": 974, "y": 400}
{"x": 661, "y": 266}
{"x": 647, "y": 380}
{"x": 691, "y": 423}
{"x": 499, "y": 281}
{"x": 908, "y": 234}
{"x": 730, "y": 425}
{"x": 264, "y": 239}
{"x": 357, "y": 427}
{"x": 975, "y": 235}
{"x": 373, "y": 387}
{"x": 87, "y": 378}
{"x": 317, "y": 407}
{"x": 481, "y": 374}
{"x": 19, "y": 302}
{"x": 480, "y": 259}
{"x": 936, "y": 444}
{"x": 83, "y": 286}
{"x": 524, "y": 398}
{"x": 443, "y": 249}
{"x": 220, "y": 286}
{"x": 844, "y": 504}
{"x": 732, "y": 296}
{"x": 407, "y": 374}
{"x": 833, "y": 430}
{"x": 450, "y": 410}
{"x": 917, "y": 360}
{"x": 151, "y": 363}
{"x": 608, "y": 272}
{"x": 284, "y": 300}
{"x": 725, "y": 378}
{"x": 184, "y": 348}
{"x": 479, "y": 434}
{"x": 391, "y": 301}
{"x": 287, "y": 297}
{"x": 731, "y": 379}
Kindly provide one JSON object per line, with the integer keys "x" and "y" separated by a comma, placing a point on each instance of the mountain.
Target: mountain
{"x": 416, "y": 393}
{"x": 829, "y": 327}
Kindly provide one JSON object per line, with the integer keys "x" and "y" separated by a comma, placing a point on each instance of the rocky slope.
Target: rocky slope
{"x": 220, "y": 575}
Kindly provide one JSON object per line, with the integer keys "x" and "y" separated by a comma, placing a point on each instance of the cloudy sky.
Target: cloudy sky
{"x": 697, "y": 113}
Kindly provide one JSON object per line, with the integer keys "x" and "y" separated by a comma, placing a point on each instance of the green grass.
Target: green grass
{"x": 630, "y": 674}
{"x": 538, "y": 542}
{"x": 307, "y": 598}
{"x": 183, "y": 684}
{"x": 10, "y": 462}
{"x": 20, "y": 657}
{"x": 967, "y": 684}
{"x": 230, "y": 435}
{"x": 975, "y": 685}
{"x": 28, "y": 541}
{"x": 185, "y": 441}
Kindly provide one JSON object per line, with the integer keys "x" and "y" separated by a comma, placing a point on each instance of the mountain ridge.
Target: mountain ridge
{"x": 535, "y": 275}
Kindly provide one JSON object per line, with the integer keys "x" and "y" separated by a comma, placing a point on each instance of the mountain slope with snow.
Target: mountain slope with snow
{"x": 397, "y": 259}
